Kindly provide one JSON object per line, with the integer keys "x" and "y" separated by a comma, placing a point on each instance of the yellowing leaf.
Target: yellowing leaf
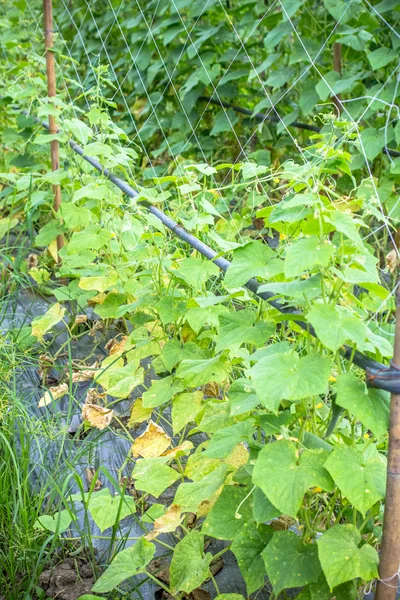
{"x": 100, "y": 284}
{"x": 168, "y": 522}
{"x": 139, "y": 413}
{"x": 97, "y": 416}
{"x": 53, "y": 393}
{"x": 238, "y": 457}
{"x": 152, "y": 443}
{"x": 41, "y": 325}
{"x": 180, "y": 450}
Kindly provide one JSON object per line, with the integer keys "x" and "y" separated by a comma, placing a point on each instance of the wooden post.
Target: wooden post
{"x": 51, "y": 91}
{"x": 337, "y": 66}
{"x": 389, "y": 564}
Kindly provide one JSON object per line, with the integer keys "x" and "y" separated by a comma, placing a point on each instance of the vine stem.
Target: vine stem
{"x": 388, "y": 581}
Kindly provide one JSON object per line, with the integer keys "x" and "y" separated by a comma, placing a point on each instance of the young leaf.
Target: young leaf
{"x": 360, "y": 476}
{"x": 342, "y": 559}
{"x": 289, "y": 562}
{"x": 41, "y": 325}
{"x": 284, "y": 476}
{"x": 370, "y": 406}
{"x": 107, "y": 509}
{"x": 56, "y": 523}
{"x": 232, "y": 510}
{"x": 127, "y": 563}
{"x": 196, "y": 271}
{"x": 189, "y": 567}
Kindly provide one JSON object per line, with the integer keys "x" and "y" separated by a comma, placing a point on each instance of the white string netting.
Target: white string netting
{"x": 178, "y": 66}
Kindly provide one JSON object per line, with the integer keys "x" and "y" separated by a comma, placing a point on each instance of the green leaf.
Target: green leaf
{"x": 381, "y": 57}
{"x": 334, "y": 326}
{"x": 230, "y": 513}
{"x": 107, "y": 510}
{"x": 185, "y": 408}
{"x": 229, "y": 597}
{"x": 198, "y": 372}
{"x": 247, "y": 547}
{"x": 242, "y": 396}
{"x": 263, "y": 509}
{"x": 92, "y": 237}
{"x": 170, "y": 309}
{"x": 6, "y": 224}
{"x": 48, "y": 233}
{"x": 238, "y": 328}
{"x": 198, "y": 317}
{"x": 360, "y": 476}
{"x": 289, "y": 562}
{"x": 41, "y": 325}
{"x": 284, "y": 476}
{"x": 224, "y": 121}
{"x": 174, "y": 352}
{"x": 127, "y": 563}
{"x": 56, "y": 523}
{"x": 342, "y": 559}
{"x": 153, "y": 476}
{"x": 161, "y": 391}
{"x": 189, "y": 567}
{"x": 224, "y": 440}
{"x": 287, "y": 377}
{"x": 345, "y": 223}
{"x": 248, "y": 261}
{"x": 307, "y": 254}
{"x": 373, "y": 141}
{"x": 370, "y": 406}
{"x": 190, "y": 495}
{"x": 342, "y": 10}
{"x": 196, "y": 271}
{"x": 120, "y": 382}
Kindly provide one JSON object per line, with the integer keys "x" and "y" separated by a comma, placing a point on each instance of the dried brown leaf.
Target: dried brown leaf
{"x": 97, "y": 416}
{"x": 53, "y": 393}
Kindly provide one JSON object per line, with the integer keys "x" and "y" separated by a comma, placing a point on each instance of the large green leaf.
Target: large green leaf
{"x": 185, "y": 408}
{"x": 196, "y": 272}
{"x": 189, "y": 567}
{"x": 284, "y": 476}
{"x": 263, "y": 509}
{"x": 224, "y": 440}
{"x": 289, "y": 562}
{"x": 360, "y": 476}
{"x": 127, "y": 563}
{"x": 151, "y": 475}
{"x": 334, "y": 326}
{"x": 342, "y": 559}
{"x": 381, "y": 57}
{"x": 247, "y": 547}
{"x": 107, "y": 510}
{"x": 239, "y": 328}
{"x": 190, "y": 495}
{"x": 230, "y": 513}
{"x": 161, "y": 391}
{"x": 307, "y": 254}
{"x": 370, "y": 406}
{"x": 198, "y": 372}
{"x": 287, "y": 377}
{"x": 248, "y": 261}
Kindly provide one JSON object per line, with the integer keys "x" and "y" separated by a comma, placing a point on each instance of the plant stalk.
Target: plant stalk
{"x": 388, "y": 581}
{"x": 51, "y": 91}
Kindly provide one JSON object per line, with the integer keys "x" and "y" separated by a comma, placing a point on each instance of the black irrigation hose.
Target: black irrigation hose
{"x": 274, "y": 119}
{"x": 378, "y": 375}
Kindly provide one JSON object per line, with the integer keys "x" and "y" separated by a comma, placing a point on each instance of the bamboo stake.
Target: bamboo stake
{"x": 337, "y": 66}
{"x": 51, "y": 91}
{"x": 388, "y": 581}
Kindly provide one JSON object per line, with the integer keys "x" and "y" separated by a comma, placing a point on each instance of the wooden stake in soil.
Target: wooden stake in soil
{"x": 386, "y": 588}
{"x": 51, "y": 91}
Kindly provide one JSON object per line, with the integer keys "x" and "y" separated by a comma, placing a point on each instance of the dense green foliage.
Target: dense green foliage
{"x": 291, "y": 434}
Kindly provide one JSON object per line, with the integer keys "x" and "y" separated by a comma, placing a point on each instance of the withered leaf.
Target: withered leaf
{"x": 53, "y": 393}
{"x": 97, "y": 416}
{"x": 168, "y": 522}
{"x": 152, "y": 443}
